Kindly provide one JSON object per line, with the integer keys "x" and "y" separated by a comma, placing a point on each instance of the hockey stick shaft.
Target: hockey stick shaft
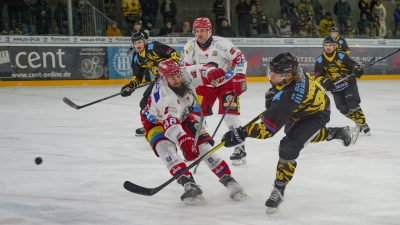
{"x": 216, "y": 129}
{"x": 134, "y": 188}
{"x": 367, "y": 66}
{"x": 75, "y": 106}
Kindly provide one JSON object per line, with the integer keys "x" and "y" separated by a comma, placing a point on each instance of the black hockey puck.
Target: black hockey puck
{"x": 38, "y": 161}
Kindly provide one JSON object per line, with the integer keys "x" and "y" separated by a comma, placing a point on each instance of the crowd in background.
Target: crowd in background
{"x": 298, "y": 18}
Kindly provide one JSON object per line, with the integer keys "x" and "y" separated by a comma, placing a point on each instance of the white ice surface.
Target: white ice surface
{"x": 89, "y": 153}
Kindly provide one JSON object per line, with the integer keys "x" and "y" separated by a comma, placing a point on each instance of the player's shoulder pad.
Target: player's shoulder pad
{"x": 341, "y": 54}
{"x": 340, "y": 41}
{"x": 135, "y": 58}
{"x": 277, "y": 96}
{"x": 319, "y": 59}
{"x": 150, "y": 46}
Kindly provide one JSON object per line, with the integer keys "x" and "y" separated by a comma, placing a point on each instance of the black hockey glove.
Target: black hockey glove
{"x": 234, "y": 137}
{"x": 358, "y": 72}
{"x": 127, "y": 90}
{"x": 327, "y": 84}
{"x": 269, "y": 95}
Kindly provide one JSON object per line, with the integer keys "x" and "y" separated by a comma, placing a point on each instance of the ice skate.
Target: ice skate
{"x": 239, "y": 156}
{"x": 140, "y": 132}
{"x": 364, "y": 129}
{"x": 345, "y": 135}
{"x": 236, "y": 191}
{"x": 274, "y": 199}
{"x": 193, "y": 194}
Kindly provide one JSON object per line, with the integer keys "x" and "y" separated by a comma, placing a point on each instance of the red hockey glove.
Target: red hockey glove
{"x": 215, "y": 76}
{"x": 186, "y": 143}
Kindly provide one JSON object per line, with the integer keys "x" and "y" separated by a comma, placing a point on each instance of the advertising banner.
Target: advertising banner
{"x": 53, "y": 63}
{"x": 258, "y": 58}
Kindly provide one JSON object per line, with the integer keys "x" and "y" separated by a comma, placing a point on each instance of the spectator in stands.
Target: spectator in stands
{"x": 287, "y": 7}
{"x": 225, "y": 30}
{"x": 243, "y": 11}
{"x": 294, "y": 18}
{"x": 378, "y": 28}
{"x": 284, "y": 26}
{"x": 316, "y": 5}
{"x": 132, "y": 11}
{"x": 151, "y": 31}
{"x": 303, "y": 29}
{"x": 28, "y": 12}
{"x": 253, "y": 4}
{"x": 186, "y": 29}
{"x": 167, "y": 29}
{"x": 219, "y": 12}
{"x": 349, "y": 31}
{"x": 326, "y": 24}
{"x": 2, "y": 29}
{"x": 138, "y": 27}
{"x": 43, "y": 17}
{"x": 364, "y": 22}
{"x": 13, "y": 9}
{"x": 342, "y": 10}
{"x": 168, "y": 10}
{"x": 259, "y": 19}
{"x": 150, "y": 12}
{"x": 273, "y": 30}
{"x": 367, "y": 33}
{"x": 302, "y": 5}
{"x": 398, "y": 31}
{"x": 315, "y": 29}
{"x": 380, "y": 12}
{"x": 61, "y": 18}
{"x": 396, "y": 16}
{"x": 113, "y": 30}
{"x": 372, "y": 5}
{"x": 365, "y": 8}
{"x": 307, "y": 13}
{"x": 323, "y": 13}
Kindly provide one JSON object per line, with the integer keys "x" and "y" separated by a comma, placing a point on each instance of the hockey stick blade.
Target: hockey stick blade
{"x": 134, "y": 188}
{"x": 70, "y": 103}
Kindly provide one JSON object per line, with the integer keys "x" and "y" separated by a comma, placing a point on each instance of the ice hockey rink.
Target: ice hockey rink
{"x": 89, "y": 153}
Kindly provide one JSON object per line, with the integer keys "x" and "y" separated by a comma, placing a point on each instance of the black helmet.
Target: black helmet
{"x": 334, "y": 29}
{"x": 137, "y": 36}
{"x": 284, "y": 63}
{"x": 328, "y": 39}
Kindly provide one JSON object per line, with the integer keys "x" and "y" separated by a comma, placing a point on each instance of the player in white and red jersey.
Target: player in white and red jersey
{"x": 169, "y": 123}
{"x": 218, "y": 52}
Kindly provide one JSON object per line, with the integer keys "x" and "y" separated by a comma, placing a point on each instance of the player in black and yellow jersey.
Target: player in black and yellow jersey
{"x": 341, "y": 43}
{"x": 332, "y": 66}
{"x": 300, "y": 104}
{"x": 147, "y": 56}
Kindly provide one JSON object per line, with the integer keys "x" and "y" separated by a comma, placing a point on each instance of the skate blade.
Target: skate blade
{"x": 270, "y": 210}
{"x": 355, "y": 132}
{"x": 240, "y": 196}
{"x": 198, "y": 200}
{"x": 239, "y": 162}
{"x": 140, "y": 135}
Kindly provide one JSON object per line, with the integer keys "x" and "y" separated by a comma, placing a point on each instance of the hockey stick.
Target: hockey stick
{"x": 134, "y": 188}
{"x": 216, "y": 129}
{"x": 75, "y": 106}
{"x": 196, "y": 137}
{"x": 367, "y": 66}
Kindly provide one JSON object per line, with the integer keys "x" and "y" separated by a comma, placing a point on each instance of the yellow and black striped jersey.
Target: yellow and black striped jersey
{"x": 341, "y": 45}
{"x": 295, "y": 101}
{"x": 150, "y": 57}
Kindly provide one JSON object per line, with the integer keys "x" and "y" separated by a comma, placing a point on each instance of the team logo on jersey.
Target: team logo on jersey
{"x": 232, "y": 51}
{"x": 214, "y": 53}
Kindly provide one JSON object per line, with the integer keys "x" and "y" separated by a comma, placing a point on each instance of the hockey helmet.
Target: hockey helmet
{"x": 137, "y": 36}
{"x": 168, "y": 68}
{"x": 284, "y": 63}
{"x": 202, "y": 22}
{"x": 334, "y": 30}
{"x": 329, "y": 39}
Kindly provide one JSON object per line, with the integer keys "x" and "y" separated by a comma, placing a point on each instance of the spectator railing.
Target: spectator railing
{"x": 93, "y": 21}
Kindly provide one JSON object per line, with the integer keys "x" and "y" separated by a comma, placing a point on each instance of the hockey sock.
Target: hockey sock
{"x": 359, "y": 116}
{"x": 222, "y": 169}
{"x": 285, "y": 170}
{"x": 321, "y": 136}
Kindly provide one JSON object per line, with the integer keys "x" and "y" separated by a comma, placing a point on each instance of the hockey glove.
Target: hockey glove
{"x": 327, "y": 84}
{"x": 358, "y": 71}
{"x": 269, "y": 95}
{"x": 127, "y": 90}
{"x": 186, "y": 143}
{"x": 215, "y": 76}
{"x": 234, "y": 137}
